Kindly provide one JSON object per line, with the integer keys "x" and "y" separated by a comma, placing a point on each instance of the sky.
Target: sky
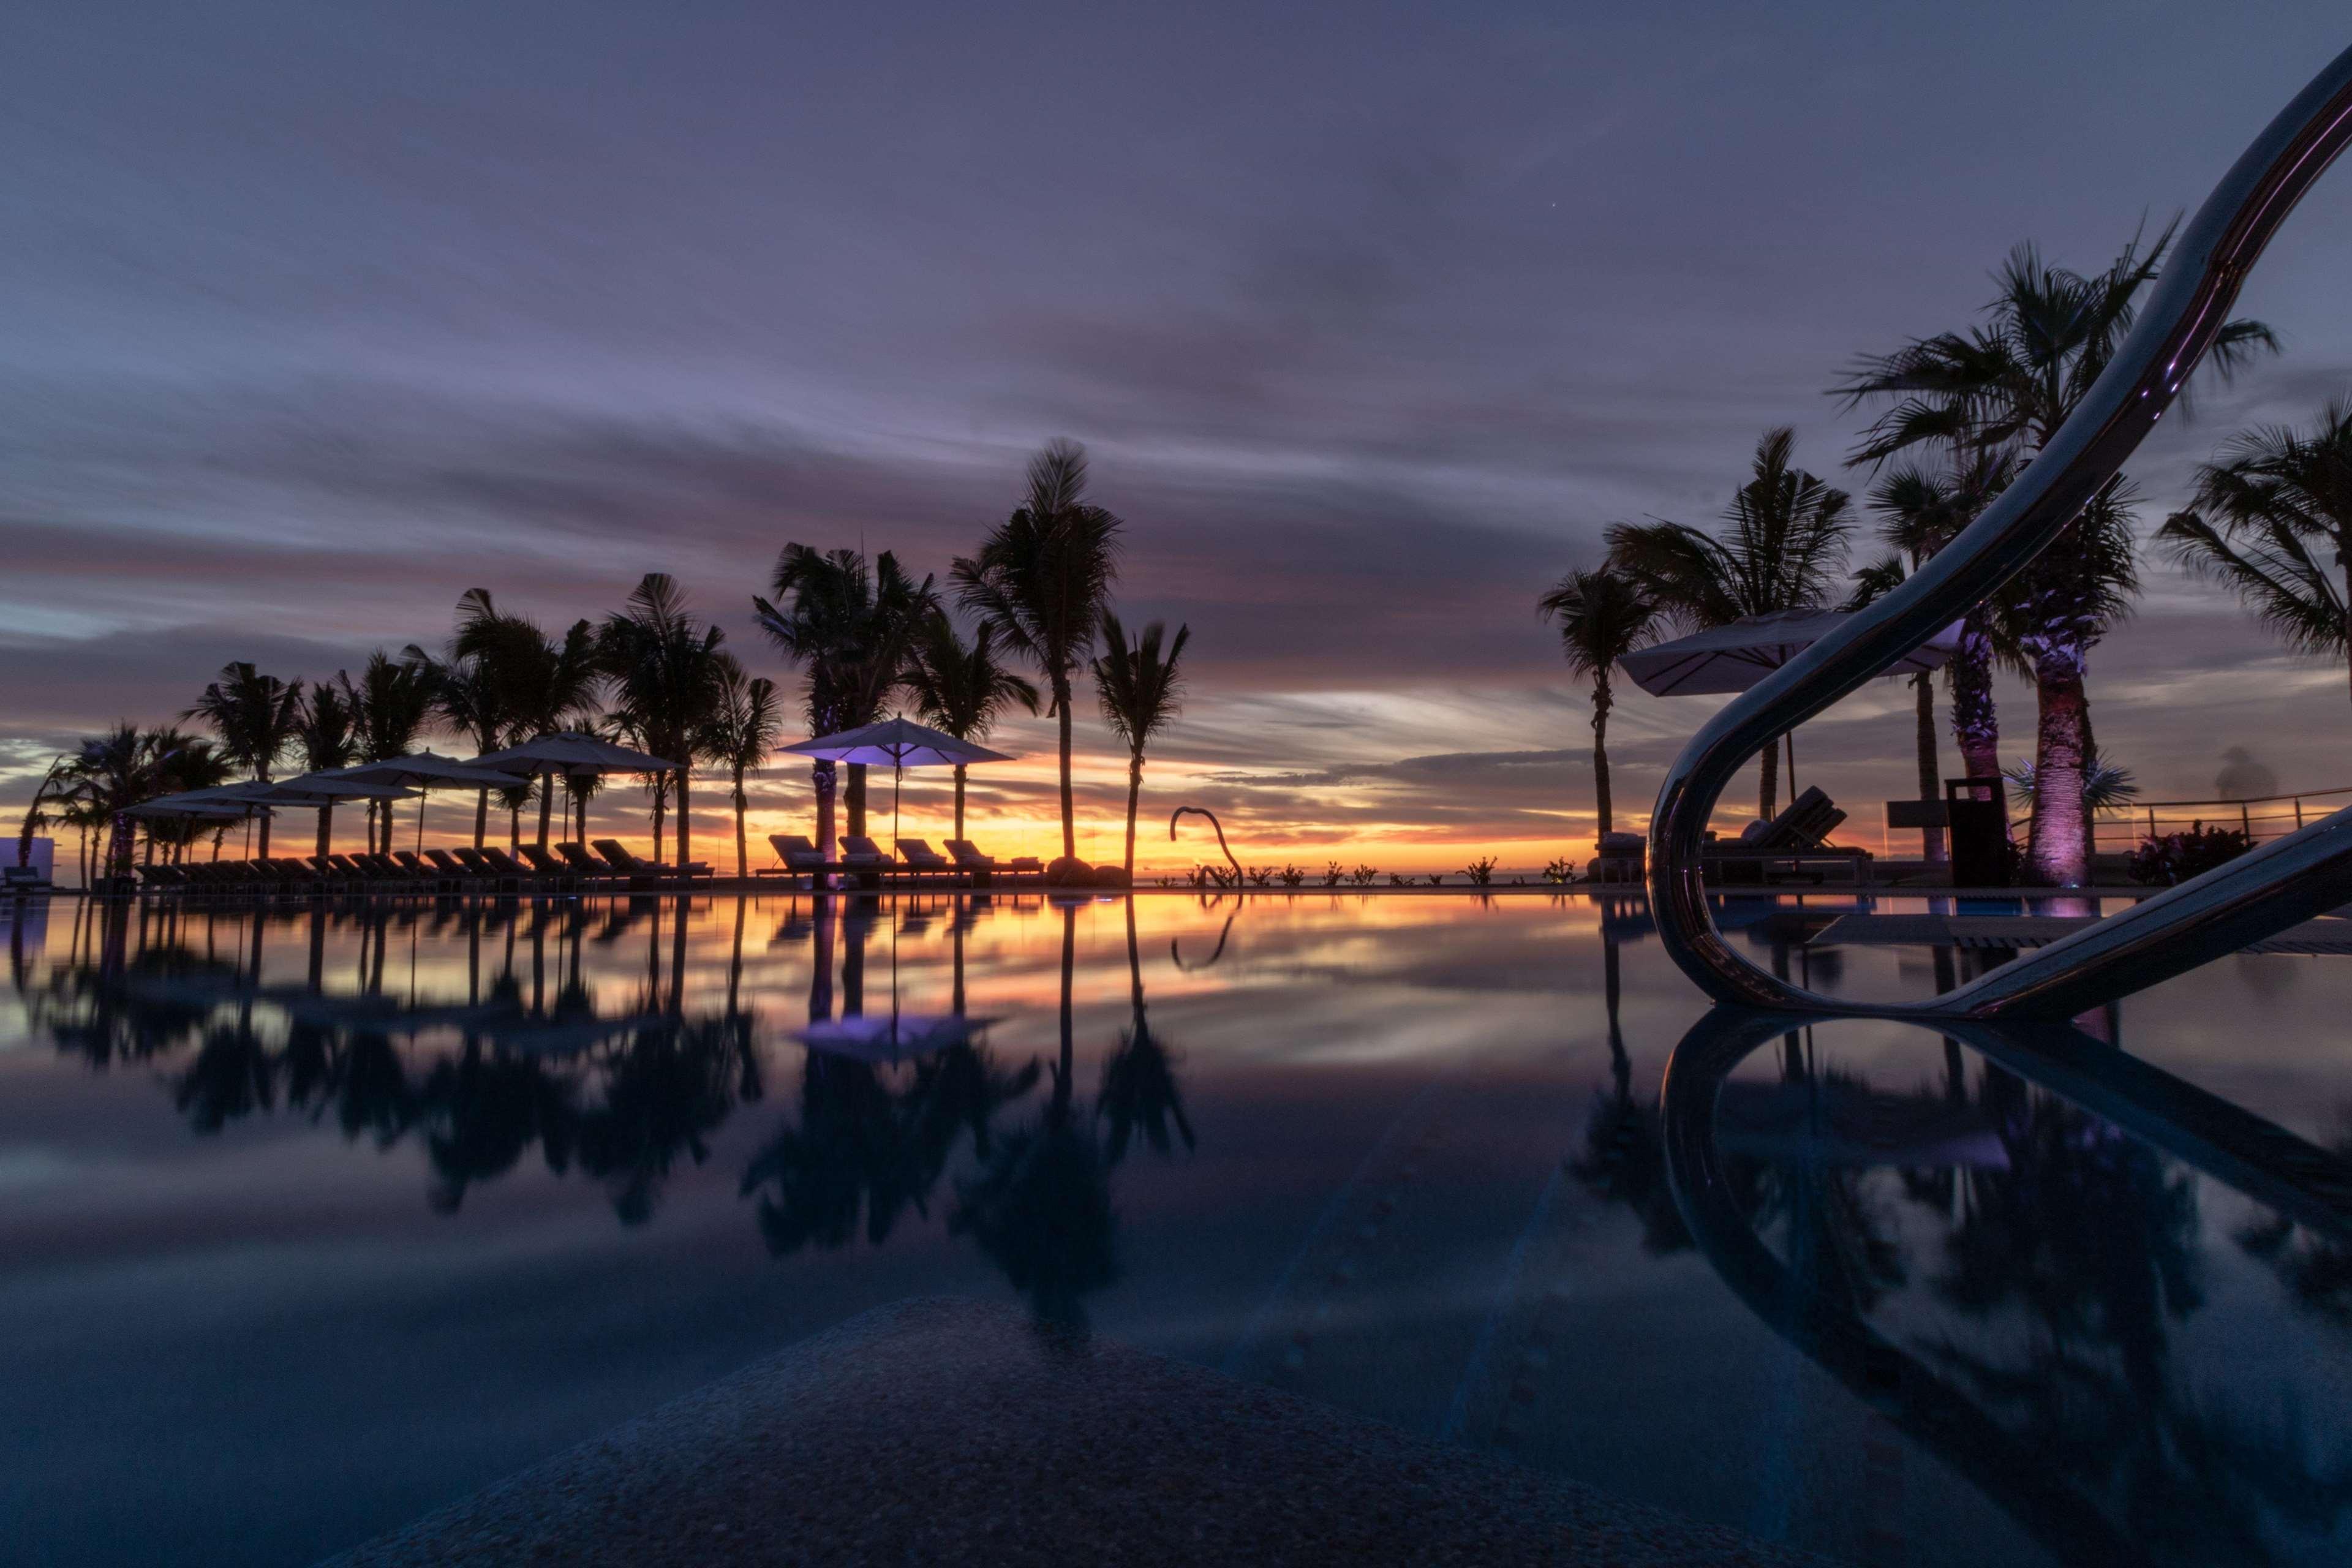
{"x": 1372, "y": 318}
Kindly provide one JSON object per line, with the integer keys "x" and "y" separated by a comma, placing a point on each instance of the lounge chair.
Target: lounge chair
{"x": 1623, "y": 857}
{"x": 969, "y": 858}
{"x": 449, "y": 866}
{"x": 509, "y": 871}
{"x": 587, "y": 865}
{"x": 798, "y": 858}
{"x": 639, "y": 870}
{"x": 550, "y": 870}
{"x": 1793, "y": 846}
{"x": 919, "y": 855}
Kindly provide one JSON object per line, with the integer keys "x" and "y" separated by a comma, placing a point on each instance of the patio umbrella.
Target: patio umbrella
{"x": 572, "y": 753}
{"x": 421, "y": 770}
{"x": 897, "y": 744}
{"x": 1734, "y": 657}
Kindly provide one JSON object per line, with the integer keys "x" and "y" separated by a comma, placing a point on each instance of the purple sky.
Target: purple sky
{"x": 1371, "y": 317}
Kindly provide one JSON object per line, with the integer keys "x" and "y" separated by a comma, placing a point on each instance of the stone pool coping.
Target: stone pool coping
{"x": 939, "y": 1431}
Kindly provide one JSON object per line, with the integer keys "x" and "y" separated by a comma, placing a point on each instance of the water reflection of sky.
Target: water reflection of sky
{"x": 317, "y": 1220}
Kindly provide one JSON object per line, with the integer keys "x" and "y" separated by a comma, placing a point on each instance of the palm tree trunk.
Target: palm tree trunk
{"x": 821, "y": 776}
{"x": 1931, "y": 839}
{"x": 1069, "y": 808}
{"x": 1767, "y": 780}
{"x": 856, "y": 797}
{"x": 2056, "y": 854}
{"x": 481, "y": 815}
{"x": 1134, "y": 789}
{"x": 1604, "y": 821}
{"x": 742, "y": 856}
{"x": 1975, "y": 726}
{"x": 685, "y": 824}
{"x": 546, "y": 805}
{"x": 959, "y": 809}
{"x": 326, "y": 829}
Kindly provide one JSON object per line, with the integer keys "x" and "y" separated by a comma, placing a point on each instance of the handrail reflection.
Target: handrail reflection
{"x": 1806, "y": 1303}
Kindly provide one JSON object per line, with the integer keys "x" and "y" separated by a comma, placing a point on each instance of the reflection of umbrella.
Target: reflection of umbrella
{"x": 422, "y": 770}
{"x": 1735, "y": 656}
{"x": 896, "y": 745}
{"x": 572, "y": 752}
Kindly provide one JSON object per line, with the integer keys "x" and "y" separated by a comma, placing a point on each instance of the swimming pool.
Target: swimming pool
{"x": 320, "y": 1217}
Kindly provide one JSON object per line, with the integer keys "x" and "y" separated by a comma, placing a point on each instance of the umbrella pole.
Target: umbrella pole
{"x": 897, "y": 777}
{"x": 421, "y": 797}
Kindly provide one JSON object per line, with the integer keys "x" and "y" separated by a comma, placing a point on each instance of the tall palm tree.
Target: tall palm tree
{"x": 116, "y": 771}
{"x": 1872, "y": 584}
{"x": 743, "y": 730}
{"x": 1141, "y": 689}
{"x": 328, "y": 737}
{"x": 850, "y": 628}
{"x": 1043, "y": 578}
{"x": 960, "y": 687}
{"x": 1782, "y": 547}
{"x": 56, "y": 785}
{"x": 390, "y": 703}
{"x": 2006, "y": 386}
{"x": 2272, "y": 519}
{"x": 545, "y": 684}
{"x": 1604, "y": 616}
{"x": 1920, "y": 509}
{"x": 664, "y": 666}
{"x": 254, "y": 715}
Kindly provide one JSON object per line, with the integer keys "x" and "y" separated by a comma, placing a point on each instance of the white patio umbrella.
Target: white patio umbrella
{"x": 897, "y": 744}
{"x": 1734, "y": 657}
{"x": 421, "y": 770}
{"x": 572, "y": 753}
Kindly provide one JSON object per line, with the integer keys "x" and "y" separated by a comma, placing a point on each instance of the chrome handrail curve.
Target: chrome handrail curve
{"x": 2261, "y": 892}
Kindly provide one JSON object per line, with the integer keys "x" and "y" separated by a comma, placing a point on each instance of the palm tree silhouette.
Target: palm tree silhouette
{"x": 1782, "y": 548}
{"x": 327, "y": 737}
{"x": 960, "y": 687}
{"x": 1141, "y": 690}
{"x": 745, "y": 724}
{"x": 544, "y": 684}
{"x": 2272, "y": 519}
{"x": 851, "y": 629}
{"x": 2005, "y": 387}
{"x": 1043, "y": 578}
{"x": 254, "y": 715}
{"x": 665, "y": 668}
{"x": 1604, "y": 616}
{"x": 391, "y": 705}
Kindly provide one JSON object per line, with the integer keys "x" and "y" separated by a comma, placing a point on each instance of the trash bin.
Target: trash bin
{"x": 1979, "y": 833}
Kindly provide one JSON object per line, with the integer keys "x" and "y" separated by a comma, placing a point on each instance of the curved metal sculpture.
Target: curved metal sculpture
{"x": 1204, "y": 811}
{"x": 2254, "y": 896}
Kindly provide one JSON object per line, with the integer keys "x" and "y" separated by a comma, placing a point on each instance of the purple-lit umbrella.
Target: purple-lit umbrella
{"x": 896, "y": 745}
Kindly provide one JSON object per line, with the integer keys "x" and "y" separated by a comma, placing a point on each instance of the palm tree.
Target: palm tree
{"x": 1141, "y": 690}
{"x": 544, "y": 684}
{"x": 1920, "y": 510}
{"x": 2272, "y": 519}
{"x": 391, "y": 705}
{"x": 2005, "y": 387}
{"x": 664, "y": 669}
{"x": 254, "y": 716}
{"x": 1043, "y": 578}
{"x": 1604, "y": 616}
{"x": 1872, "y": 584}
{"x": 116, "y": 771}
{"x": 743, "y": 730}
{"x": 960, "y": 687}
{"x": 56, "y": 785}
{"x": 1782, "y": 548}
{"x": 328, "y": 737}
{"x": 851, "y": 630}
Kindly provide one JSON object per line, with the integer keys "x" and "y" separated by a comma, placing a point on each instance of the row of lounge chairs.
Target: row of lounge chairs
{"x": 568, "y": 869}
{"x": 1793, "y": 847}
{"x": 862, "y": 858}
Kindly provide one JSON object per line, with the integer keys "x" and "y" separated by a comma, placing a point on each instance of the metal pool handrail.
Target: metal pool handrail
{"x": 2284, "y": 881}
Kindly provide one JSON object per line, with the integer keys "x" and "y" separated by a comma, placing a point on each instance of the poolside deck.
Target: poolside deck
{"x": 938, "y": 1431}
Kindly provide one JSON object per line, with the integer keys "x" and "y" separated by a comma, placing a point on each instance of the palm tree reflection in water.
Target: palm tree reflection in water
{"x": 2071, "y": 1249}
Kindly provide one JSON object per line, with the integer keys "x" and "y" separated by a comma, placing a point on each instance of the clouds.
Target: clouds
{"x": 315, "y": 320}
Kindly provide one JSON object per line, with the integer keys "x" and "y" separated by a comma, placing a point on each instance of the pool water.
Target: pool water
{"x": 318, "y": 1218}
